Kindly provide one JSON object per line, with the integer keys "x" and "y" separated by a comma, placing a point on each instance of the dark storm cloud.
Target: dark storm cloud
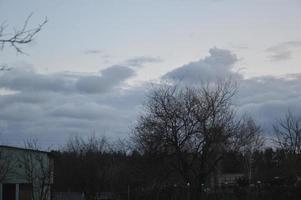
{"x": 283, "y": 51}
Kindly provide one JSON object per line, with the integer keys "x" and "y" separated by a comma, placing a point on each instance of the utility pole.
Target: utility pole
{"x": 129, "y": 190}
{"x": 188, "y": 191}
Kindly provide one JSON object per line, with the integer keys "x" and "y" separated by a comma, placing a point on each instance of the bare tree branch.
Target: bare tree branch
{"x": 191, "y": 126}
{"x": 288, "y": 133}
{"x": 19, "y": 36}
{"x": 37, "y": 170}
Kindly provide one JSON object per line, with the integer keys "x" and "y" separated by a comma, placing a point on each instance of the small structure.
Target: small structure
{"x": 25, "y": 174}
{"x": 229, "y": 179}
{"x": 105, "y": 196}
{"x": 69, "y": 196}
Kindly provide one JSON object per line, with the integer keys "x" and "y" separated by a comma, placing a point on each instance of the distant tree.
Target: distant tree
{"x": 38, "y": 170}
{"x": 79, "y": 145}
{"x": 18, "y": 37}
{"x": 249, "y": 136}
{"x": 6, "y": 166}
{"x": 288, "y": 133}
{"x": 91, "y": 160}
{"x": 248, "y": 140}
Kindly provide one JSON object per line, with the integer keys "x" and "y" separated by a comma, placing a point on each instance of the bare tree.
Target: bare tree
{"x": 288, "y": 133}
{"x": 38, "y": 170}
{"x": 19, "y": 36}
{"x": 81, "y": 146}
{"x": 92, "y": 162}
{"x": 6, "y": 166}
{"x": 192, "y": 126}
{"x": 248, "y": 140}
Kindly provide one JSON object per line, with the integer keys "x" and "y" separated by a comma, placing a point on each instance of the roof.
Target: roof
{"x": 24, "y": 149}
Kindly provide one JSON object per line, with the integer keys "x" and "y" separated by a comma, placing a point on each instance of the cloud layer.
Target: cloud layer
{"x": 283, "y": 51}
{"x": 219, "y": 63}
{"x": 52, "y": 107}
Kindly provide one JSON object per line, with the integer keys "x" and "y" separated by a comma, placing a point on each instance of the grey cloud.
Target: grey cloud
{"x": 110, "y": 77}
{"x": 57, "y": 117}
{"x": 28, "y": 80}
{"x": 281, "y": 55}
{"x": 261, "y": 89}
{"x": 20, "y": 112}
{"x": 88, "y": 111}
{"x": 267, "y": 98}
{"x": 27, "y": 98}
{"x": 140, "y": 61}
{"x": 218, "y": 64}
{"x": 92, "y": 84}
{"x": 283, "y": 51}
{"x": 53, "y": 115}
{"x": 267, "y": 112}
{"x": 99, "y": 53}
{"x": 93, "y": 51}
{"x": 283, "y": 45}
{"x": 51, "y": 107}
{"x": 239, "y": 46}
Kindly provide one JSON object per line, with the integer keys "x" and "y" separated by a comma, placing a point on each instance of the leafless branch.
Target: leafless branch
{"x": 192, "y": 125}
{"x": 288, "y": 133}
{"x": 19, "y": 36}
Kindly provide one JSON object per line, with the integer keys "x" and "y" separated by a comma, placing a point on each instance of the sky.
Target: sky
{"x": 89, "y": 70}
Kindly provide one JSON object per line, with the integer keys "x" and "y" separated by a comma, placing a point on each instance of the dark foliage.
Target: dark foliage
{"x": 147, "y": 176}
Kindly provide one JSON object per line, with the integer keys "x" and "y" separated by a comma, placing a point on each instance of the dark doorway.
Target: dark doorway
{"x": 9, "y": 191}
{"x": 25, "y": 191}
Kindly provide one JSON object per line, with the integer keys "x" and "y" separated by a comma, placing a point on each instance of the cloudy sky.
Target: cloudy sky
{"x": 88, "y": 70}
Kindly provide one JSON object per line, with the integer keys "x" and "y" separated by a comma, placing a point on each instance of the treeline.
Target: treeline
{"x": 92, "y": 169}
{"x": 181, "y": 145}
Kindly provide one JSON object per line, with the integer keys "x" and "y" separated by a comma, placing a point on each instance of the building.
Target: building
{"x": 25, "y": 174}
{"x": 69, "y": 196}
{"x": 229, "y": 179}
